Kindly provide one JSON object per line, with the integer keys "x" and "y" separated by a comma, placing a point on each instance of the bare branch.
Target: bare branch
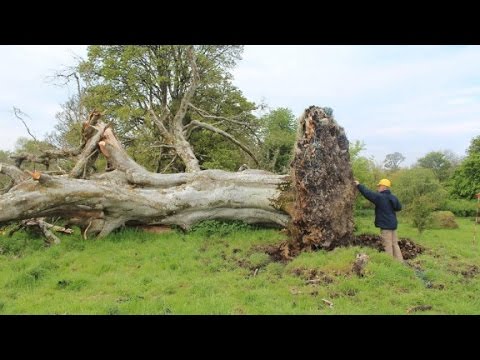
{"x": 88, "y": 151}
{"x": 191, "y": 90}
{"x": 13, "y": 173}
{"x": 160, "y": 122}
{"x": 18, "y": 114}
{"x": 163, "y": 146}
{"x": 45, "y": 157}
{"x": 225, "y": 134}
{"x": 207, "y": 115}
{"x": 168, "y": 165}
{"x": 204, "y": 114}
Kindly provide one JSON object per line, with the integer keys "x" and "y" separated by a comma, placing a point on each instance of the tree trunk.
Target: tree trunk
{"x": 319, "y": 199}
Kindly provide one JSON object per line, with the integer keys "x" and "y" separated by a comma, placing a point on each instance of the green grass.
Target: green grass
{"x": 218, "y": 269}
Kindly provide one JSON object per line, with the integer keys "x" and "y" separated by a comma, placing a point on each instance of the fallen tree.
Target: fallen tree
{"x": 318, "y": 195}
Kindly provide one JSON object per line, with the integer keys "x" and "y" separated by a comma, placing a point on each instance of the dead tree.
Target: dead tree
{"x": 318, "y": 196}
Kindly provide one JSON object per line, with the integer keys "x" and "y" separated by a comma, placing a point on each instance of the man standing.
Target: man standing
{"x": 386, "y": 204}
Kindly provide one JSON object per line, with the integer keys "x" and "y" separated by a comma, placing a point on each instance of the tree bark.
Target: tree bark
{"x": 181, "y": 199}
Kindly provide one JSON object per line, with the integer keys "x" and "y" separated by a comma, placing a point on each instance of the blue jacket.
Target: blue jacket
{"x": 386, "y": 204}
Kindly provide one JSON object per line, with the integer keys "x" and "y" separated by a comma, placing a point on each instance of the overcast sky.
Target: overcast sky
{"x": 410, "y": 99}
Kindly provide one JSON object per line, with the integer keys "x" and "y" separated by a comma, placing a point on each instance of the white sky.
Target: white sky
{"x": 410, "y": 99}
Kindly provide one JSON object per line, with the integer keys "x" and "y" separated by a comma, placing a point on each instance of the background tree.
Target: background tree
{"x": 453, "y": 158}
{"x": 278, "y": 134}
{"x": 420, "y": 193}
{"x": 364, "y": 170}
{"x": 392, "y": 161}
{"x": 465, "y": 182}
{"x": 438, "y": 162}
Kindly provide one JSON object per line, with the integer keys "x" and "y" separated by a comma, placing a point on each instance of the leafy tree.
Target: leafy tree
{"x": 408, "y": 184}
{"x": 362, "y": 167}
{"x": 160, "y": 96}
{"x": 453, "y": 158}
{"x": 465, "y": 182}
{"x": 420, "y": 193}
{"x": 364, "y": 170}
{"x": 278, "y": 134}
{"x": 420, "y": 212}
{"x": 5, "y": 157}
{"x": 392, "y": 161}
{"x": 438, "y": 162}
{"x": 474, "y": 147}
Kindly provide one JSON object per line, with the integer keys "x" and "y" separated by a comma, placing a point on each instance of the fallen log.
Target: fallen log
{"x": 318, "y": 195}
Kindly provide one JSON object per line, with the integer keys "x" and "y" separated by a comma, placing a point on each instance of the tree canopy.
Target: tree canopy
{"x": 465, "y": 181}
{"x": 392, "y": 161}
{"x": 168, "y": 104}
{"x": 438, "y": 162}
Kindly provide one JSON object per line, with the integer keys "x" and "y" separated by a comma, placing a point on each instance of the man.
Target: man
{"x": 386, "y": 204}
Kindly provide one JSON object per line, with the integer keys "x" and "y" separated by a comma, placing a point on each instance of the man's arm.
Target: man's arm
{"x": 368, "y": 194}
{"x": 396, "y": 205}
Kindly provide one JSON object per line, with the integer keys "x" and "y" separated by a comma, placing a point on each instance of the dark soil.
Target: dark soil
{"x": 409, "y": 249}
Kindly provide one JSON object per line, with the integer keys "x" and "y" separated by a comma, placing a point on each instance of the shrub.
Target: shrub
{"x": 461, "y": 207}
{"x": 443, "y": 220}
{"x": 419, "y": 211}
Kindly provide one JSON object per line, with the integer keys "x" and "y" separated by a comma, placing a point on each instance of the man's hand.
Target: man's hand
{"x": 356, "y": 182}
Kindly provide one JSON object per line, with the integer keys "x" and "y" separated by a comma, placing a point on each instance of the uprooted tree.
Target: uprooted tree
{"x": 315, "y": 201}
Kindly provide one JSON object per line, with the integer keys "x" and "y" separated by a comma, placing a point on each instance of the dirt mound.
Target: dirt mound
{"x": 407, "y": 246}
{"x": 409, "y": 249}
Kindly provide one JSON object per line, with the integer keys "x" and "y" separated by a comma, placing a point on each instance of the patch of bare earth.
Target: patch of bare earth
{"x": 283, "y": 252}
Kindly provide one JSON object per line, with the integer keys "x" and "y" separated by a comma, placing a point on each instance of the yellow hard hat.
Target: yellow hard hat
{"x": 384, "y": 182}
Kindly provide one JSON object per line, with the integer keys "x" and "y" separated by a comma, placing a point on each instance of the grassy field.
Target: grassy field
{"x": 218, "y": 269}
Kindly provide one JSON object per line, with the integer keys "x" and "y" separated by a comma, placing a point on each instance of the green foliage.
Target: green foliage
{"x": 215, "y": 152}
{"x": 420, "y": 193}
{"x": 409, "y": 184}
{"x": 68, "y": 129}
{"x": 419, "y": 211}
{"x": 364, "y": 170}
{"x": 474, "y": 147}
{"x": 5, "y": 159}
{"x": 278, "y": 133}
{"x": 460, "y": 207}
{"x": 443, "y": 220}
{"x": 20, "y": 243}
{"x": 438, "y": 162}
{"x": 392, "y": 161}
{"x": 209, "y": 228}
{"x": 465, "y": 182}
{"x": 129, "y": 80}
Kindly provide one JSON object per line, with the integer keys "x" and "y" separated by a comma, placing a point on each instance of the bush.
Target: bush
{"x": 443, "y": 220}
{"x": 461, "y": 207}
{"x": 419, "y": 211}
